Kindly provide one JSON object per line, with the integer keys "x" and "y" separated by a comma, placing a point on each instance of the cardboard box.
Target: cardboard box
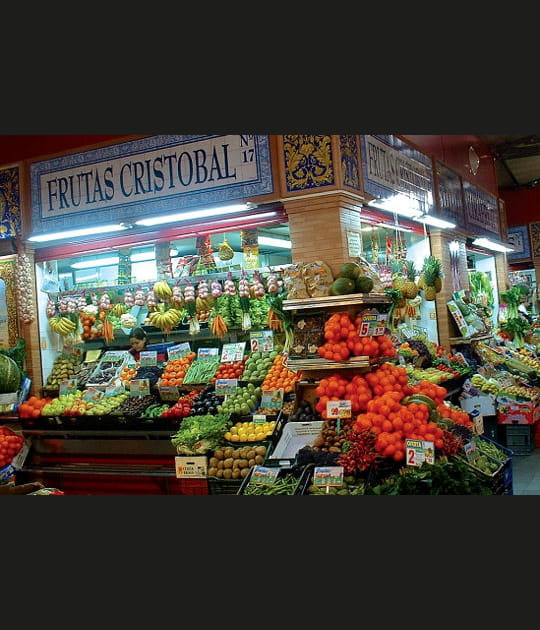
{"x": 484, "y": 404}
{"x": 511, "y": 411}
{"x": 188, "y": 466}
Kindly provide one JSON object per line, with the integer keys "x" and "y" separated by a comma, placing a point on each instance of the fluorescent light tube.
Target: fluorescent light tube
{"x": 195, "y": 214}
{"x": 275, "y": 242}
{"x": 398, "y": 204}
{"x": 489, "y": 244}
{"x": 393, "y": 226}
{"x": 98, "y": 229}
{"x": 434, "y": 221}
{"x": 97, "y": 262}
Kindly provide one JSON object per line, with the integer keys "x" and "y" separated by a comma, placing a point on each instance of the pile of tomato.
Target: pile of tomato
{"x": 343, "y": 340}
{"x": 10, "y": 444}
{"x": 234, "y": 369}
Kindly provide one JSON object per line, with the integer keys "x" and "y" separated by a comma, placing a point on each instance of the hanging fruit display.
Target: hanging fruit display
{"x": 225, "y": 251}
{"x": 430, "y": 281}
{"x": 23, "y": 284}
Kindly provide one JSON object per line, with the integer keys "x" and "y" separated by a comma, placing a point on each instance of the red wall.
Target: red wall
{"x": 522, "y": 206}
{"x": 15, "y": 148}
{"x": 453, "y": 150}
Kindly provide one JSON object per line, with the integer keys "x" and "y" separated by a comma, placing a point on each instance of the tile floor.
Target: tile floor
{"x": 526, "y": 473}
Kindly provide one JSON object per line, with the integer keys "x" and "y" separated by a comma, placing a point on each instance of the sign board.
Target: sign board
{"x": 393, "y": 170}
{"x": 419, "y": 451}
{"x": 261, "y": 340}
{"x": 232, "y": 352}
{"x": 449, "y": 195}
{"x": 178, "y": 351}
{"x": 481, "y": 212}
{"x": 354, "y": 244}
{"x": 147, "y": 177}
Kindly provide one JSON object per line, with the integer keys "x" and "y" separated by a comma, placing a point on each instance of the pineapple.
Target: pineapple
{"x": 398, "y": 279}
{"x": 432, "y": 274}
{"x": 409, "y": 287}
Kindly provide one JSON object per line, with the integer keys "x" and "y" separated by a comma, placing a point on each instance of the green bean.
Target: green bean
{"x": 282, "y": 485}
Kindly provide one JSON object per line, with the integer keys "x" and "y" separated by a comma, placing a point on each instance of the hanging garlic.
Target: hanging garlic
{"x": 72, "y": 306}
{"x": 104, "y": 302}
{"x": 243, "y": 286}
{"x": 50, "y": 309}
{"x": 129, "y": 300}
{"x": 63, "y": 305}
{"x": 81, "y": 303}
{"x": 229, "y": 287}
{"x": 151, "y": 300}
{"x": 272, "y": 285}
{"x": 216, "y": 289}
{"x": 139, "y": 299}
{"x": 23, "y": 282}
{"x": 176, "y": 297}
{"x": 202, "y": 289}
{"x": 257, "y": 286}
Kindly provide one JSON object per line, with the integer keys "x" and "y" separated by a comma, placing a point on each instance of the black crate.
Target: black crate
{"x": 217, "y": 485}
{"x": 519, "y": 438}
{"x": 282, "y": 472}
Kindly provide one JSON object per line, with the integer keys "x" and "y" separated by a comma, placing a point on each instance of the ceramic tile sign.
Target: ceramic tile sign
{"x": 225, "y": 386}
{"x": 419, "y": 451}
{"x": 518, "y": 238}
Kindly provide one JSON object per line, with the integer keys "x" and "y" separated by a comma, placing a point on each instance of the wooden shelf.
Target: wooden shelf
{"x": 466, "y": 340}
{"x": 325, "y": 364}
{"x": 351, "y": 299}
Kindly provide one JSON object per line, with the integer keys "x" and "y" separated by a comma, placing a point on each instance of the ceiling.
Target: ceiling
{"x": 517, "y": 160}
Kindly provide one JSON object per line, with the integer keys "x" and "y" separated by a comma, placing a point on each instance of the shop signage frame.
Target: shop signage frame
{"x": 449, "y": 199}
{"x": 481, "y": 211}
{"x": 147, "y": 177}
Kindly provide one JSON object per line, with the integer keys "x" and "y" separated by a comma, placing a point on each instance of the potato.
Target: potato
{"x": 235, "y": 473}
{"x": 236, "y": 453}
{"x": 228, "y": 452}
{"x": 220, "y": 464}
{"x": 227, "y": 473}
{"x": 251, "y": 462}
{"x": 243, "y": 463}
{"x": 259, "y": 459}
{"x": 260, "y": 450}
{"x": 243, "y": 452}
{"x": 219, "y": 473}
{"x": 212, "y": 471}
{"x": 212, "y": 462}
{"x": 219, "y": 454}
{"x": 250, "y": 453}
{"x": 244, "y": 472}
{"x": 228, "y": 463}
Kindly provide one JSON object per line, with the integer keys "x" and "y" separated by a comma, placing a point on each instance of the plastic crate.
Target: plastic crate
{"x": 217, "y": 485}
{"x": 294, "y": 436}
{"x": 281, "y": 473}
{"x": 519, "y": 438}
{"x": 506, "y": 471}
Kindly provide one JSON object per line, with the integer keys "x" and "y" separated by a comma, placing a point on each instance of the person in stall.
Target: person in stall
{"x": 139, "y": 341}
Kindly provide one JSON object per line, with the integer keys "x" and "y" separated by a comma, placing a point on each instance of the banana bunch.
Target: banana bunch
{"x": 162, "y": 290}
{"x": 62, "y": 325}
{"x": 119, "y": 309}
{"x": 165, "y": 320}
{"x": 486, "y": 385}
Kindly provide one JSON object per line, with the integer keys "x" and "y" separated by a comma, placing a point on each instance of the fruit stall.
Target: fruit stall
{"x": 329, "y": 381}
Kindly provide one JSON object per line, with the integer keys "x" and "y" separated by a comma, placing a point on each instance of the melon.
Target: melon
{"x": 342, "y": 286}
{"x": 350, "y": 270}
{"x": 10, "y": 375}
{"x": 363, "y": 284}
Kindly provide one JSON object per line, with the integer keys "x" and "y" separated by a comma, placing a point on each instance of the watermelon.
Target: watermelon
{"x": 10, "y": 375}
{"x": 350, "y": 270}
{"x": 363, "y": 284}
{"x": 342, "y": 286}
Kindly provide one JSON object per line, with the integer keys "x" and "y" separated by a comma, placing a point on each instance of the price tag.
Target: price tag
{"x": 272, "y": 398}
{"x": 178, "y": 351}
{"x": 338, "y": 409}
{"x": 478, "y": 425}
{"x": 419, "y": 451}
{"x": 187, "y": 466}
{"x": 259, "y": 418}
{"x": 207, "y": 353}
{"x": 139, "y": 387}
{"x": 114, "y": 356}
{"x": 224, "y": 386}
{"x": 354, "y": 244}
{"x": 69, "y": 386}
{"x": 148, "y": 357}
{"x": 328, "y": 476}
{"x": 116, "y": 387}
{"x": 261, "y": 340}
{"x": 232, "y": 352}
{"x": 170, "y": 392}
{"x": 263, "y": 474}
{"x": 92, "y": 355}
{"x": 471, "y": 451}
{"x": 92, "y": 395}
{"x": 19, "y": 459}
{"x": 372, "y": 324}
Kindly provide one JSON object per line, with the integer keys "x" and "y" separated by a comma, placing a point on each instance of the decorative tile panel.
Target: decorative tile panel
{"x": 350, "y": 166}
{"x": 10, "y": 208}
{"x": 308, "y": 162}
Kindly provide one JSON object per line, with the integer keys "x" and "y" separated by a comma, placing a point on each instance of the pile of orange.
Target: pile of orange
{"x": 175, "y": 370}
{"x": 280, "y": 377}
{"x": 128, "y": 372}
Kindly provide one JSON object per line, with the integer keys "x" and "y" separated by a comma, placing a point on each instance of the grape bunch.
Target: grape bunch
{"x": 422, "y": 349}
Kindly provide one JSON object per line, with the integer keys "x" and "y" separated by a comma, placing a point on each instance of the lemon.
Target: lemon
{"x": 234, "y": 430}
{"x": 227, "y": 435}
{"x": 251, "y": 437}
{"x": 234, "y": 438}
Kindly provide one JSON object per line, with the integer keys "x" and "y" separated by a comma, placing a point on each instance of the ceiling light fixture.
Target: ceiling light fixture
{"x": 393, "y": 226}
{"x": 114, "y": 260}
{"x": 196, "y": 214}
{"x": 434, "y": 221}
{"x": 98, "y": 229}
{"x": 404, "y": 205}
{"x": 493, "y": 245}
{"x": 275, "y": 242}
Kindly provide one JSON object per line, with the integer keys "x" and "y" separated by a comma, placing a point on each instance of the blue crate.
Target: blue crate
{"x": 506, "y": 471}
